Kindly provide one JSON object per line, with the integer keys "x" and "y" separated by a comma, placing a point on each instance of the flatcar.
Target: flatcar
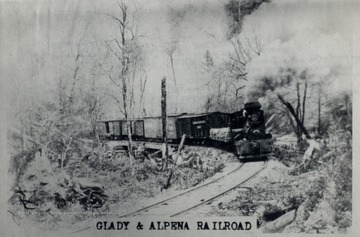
{"x": 243, "y": 131}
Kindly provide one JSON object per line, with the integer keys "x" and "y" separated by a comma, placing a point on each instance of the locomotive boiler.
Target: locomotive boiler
{"x": 249, "y": 136}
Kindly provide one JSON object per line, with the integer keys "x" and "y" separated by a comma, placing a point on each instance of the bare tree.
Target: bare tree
{"x": 228, "y": 79}
{"x": 176, "y": 18}
{"x": 170, "y": 52}
{"x": 300, "y": 102}
{"x": 142, "y": 87}
{"x": 127, "y": 53}
{"x": 242, "y": 53}
{"x": 210, "y": 72}
{"x": 208, "y": 104}
{"x": 93, "y": 102}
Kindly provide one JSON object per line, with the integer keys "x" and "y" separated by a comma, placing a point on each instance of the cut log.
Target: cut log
{"x": 164, "y": 124}
{"x": 280, "y": 223}
{"x": 220, "y": 134}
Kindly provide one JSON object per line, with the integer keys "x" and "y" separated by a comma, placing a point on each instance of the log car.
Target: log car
{"x": 198, "y": 127}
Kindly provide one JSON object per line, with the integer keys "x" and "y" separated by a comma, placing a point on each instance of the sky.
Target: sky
{"x": 40, "y": 34}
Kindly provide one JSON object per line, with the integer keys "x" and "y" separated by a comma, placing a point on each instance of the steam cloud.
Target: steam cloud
{"x": 302, "y": 39}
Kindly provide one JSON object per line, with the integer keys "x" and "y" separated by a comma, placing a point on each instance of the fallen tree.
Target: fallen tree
{"x": 292, "y": 111}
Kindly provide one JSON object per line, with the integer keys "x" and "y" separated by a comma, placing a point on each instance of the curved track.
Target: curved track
{"x": 182, "y": 194}
{"x": 220, "y": 194}
{"x": 193, "y": 198}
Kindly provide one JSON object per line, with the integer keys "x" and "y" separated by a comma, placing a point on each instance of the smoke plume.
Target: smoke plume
{"x": 302, "y": 40}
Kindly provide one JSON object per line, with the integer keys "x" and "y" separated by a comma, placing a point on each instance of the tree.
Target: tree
{"x": 228, "y": 80}
{"x": 92, "y": 94}
{"x": 299, "y": 123}
{"x": 123, "y": 74}
{"x": 142, "y": 87}
{"x": 209, "y": 70}
{"x": 176, "y": 17}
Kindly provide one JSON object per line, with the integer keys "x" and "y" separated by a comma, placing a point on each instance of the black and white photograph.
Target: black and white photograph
{"x": 178, "y": 118}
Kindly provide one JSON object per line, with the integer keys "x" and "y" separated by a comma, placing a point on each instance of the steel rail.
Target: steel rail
{"x": 221, "y": 194}
{"x": 181, "y": 194}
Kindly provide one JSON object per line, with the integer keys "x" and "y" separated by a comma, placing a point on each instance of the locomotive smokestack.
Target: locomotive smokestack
{"x": 250, "y": 106}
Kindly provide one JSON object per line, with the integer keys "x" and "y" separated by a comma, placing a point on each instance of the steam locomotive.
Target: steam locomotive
{"x": 242, "y": 131}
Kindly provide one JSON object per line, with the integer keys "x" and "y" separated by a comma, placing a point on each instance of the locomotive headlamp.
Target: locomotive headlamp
{"x": 254, "y": 117}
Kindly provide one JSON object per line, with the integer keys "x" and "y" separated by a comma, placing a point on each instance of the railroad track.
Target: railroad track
{"x": 189, "y": 193}
{"x": 220, "y": 194}
{"x": 183, "y": 193}
{"x": 193, "y": 198}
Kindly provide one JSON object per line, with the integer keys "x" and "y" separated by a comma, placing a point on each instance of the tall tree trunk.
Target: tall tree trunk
{"x": 173, "y": 72}
{"x": 130, "y": 148}
{"x": 298, "y": 109}
{"x": 173, "y": 69}
{"x": 96, "y": 134}
{"x": 128, "y": 127}
{"x": 63, "y": 155}
{"x": 124, "y": 76}
{"x": 348, "y": 110}
{"x": 164, "y": 123}
{"x": 225, "y": 97}
{"x": 127, "y": 60}
{"x": 219, "y": 93}
{"x": 23, "y": 140}
{"x": 304, "y": 103}
{"x": 319, "y": 112}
